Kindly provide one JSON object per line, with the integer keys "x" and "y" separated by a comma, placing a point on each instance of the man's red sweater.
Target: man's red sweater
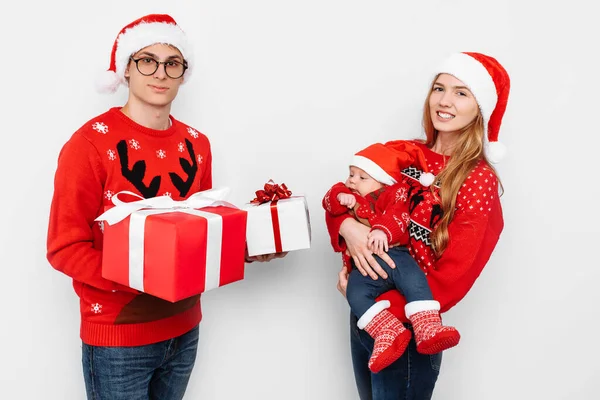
{"x": 108, "y": 154}
{"x": 474, "y": 232}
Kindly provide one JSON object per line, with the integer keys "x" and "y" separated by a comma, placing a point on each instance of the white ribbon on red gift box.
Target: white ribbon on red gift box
{"x": 141, "y": 209}
{"x": 206, "y": 198}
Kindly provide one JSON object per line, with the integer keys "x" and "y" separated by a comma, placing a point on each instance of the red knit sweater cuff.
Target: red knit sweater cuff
{"x": 334, "y": 223}
{"x": 392, "y": 229}
{"x": 331, "y": 203}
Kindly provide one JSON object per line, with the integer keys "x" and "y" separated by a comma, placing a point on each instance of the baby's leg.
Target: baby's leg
{"x": 391, "y": 337}
{"x": 421, "y": 309}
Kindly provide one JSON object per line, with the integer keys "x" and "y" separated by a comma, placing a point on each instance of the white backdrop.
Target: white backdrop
{"x": 289, "y": 90}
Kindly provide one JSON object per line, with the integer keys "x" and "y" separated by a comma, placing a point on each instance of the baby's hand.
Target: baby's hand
{"x": 377, "y": 242}
{"x": 347, "y": 199}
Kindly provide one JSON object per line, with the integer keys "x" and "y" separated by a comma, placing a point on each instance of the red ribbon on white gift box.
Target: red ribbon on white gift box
{"x": 276, "y": 230}
{"x": 139, "y": 210}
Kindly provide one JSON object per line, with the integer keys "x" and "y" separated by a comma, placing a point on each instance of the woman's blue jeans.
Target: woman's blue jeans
{"x": 158, "y": 371}
{"x": 411, "y": 377}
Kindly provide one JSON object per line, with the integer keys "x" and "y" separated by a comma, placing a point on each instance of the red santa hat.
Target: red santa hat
{"x": 490, "y": 84}
{"x": 143, "y": 32}
{"x": 385, "y": 164}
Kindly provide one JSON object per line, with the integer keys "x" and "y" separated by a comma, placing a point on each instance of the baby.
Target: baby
{"x": 377, "y": 194}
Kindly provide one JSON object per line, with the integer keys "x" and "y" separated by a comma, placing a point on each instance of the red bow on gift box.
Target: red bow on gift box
{"x": 272, "y": 192}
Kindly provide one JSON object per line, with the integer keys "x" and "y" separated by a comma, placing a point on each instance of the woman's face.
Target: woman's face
{"x": 451, "y": 104}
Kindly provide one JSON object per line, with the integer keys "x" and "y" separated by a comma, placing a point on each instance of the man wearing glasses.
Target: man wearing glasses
{"x": 135, "y": 346}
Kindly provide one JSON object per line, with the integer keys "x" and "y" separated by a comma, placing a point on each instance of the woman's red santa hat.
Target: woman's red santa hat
{"x": 143, "y": 32}
{"x": 489, "y": 82}
{"x": 385, "y": 164}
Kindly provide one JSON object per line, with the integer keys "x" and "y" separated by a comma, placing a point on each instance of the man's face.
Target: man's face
{"x": 156, "y": 89}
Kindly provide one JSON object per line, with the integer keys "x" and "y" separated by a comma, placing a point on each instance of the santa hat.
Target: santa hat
{"x": 385, "y": 164}
{"x": 490, "y": 84}
{"x": 143, "y": 32}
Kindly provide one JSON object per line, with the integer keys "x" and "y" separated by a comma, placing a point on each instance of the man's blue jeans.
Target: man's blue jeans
{"x": 156, "y": 371}
{"x": 411, "y": 377}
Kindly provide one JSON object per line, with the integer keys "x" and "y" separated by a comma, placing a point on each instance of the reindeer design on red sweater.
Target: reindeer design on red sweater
{"x": 137, "y": 173}
{"x": 417, "y": 194}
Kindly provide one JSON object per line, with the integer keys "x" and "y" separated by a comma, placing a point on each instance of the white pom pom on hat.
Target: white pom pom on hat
{"x": 143, "y": 32}
{"x": 426, "y": 178}
{"x": 107, "y": 82}
{"x": 496, "y": 151}
{"x": 489, "y": 82}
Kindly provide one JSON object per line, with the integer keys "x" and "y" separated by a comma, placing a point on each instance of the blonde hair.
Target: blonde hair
{"x": 466, "y": 154}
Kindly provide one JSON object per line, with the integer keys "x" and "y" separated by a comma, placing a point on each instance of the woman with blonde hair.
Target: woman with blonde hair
{"x": 454, "y": 224}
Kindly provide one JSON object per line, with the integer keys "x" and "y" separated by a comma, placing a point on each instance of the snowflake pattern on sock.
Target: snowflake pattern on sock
{"x": 386, "y": 329}
{"x": 431, "y": 334}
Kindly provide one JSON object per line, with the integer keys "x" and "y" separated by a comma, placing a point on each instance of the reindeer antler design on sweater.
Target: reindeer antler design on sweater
{"x": 189, "y": 168}
{"x": 136, "y": 174}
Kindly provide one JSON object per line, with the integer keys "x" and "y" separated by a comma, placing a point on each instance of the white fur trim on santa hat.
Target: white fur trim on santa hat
{"x": 414, "y": 307}
{"x": 477, "y": 78}
{"x": 371, "y": 313}
{"x": 136, "y": 38}
{"x": 146, "y": 34}
{"x": 371, "y": 168}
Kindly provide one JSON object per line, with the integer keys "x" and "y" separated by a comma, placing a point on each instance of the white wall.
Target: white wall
{"x": 300, "y": 86}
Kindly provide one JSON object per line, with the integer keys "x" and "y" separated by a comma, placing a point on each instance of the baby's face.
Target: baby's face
{"x": 361, "y": 182}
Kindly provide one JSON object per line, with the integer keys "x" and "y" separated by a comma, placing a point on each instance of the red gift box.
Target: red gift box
{"x": 173, "y": 251}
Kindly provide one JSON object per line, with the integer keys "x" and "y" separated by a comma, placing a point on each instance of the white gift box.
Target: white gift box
{"x": 273, "y": 227}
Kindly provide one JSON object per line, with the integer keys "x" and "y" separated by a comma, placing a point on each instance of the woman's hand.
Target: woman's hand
{"x": 355, "y": 235}
{"x": 343, "y": 280}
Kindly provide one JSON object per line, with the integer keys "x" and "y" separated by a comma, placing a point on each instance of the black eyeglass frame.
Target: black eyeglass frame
{"x": 164, "y": 63}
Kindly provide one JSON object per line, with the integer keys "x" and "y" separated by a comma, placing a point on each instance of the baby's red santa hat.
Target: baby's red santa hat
{"x": 489, "y": 82}
{"x": 385, "y": 164}
{"x": 143, "y": 32}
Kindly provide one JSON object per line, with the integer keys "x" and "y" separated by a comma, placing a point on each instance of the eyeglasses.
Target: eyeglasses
{"x": 148, "y": 66}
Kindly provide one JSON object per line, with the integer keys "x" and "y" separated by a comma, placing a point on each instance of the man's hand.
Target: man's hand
{"x": 377, "y": 242}
{"x": 347, "y": 199}
{"x": 265, "y": 257}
